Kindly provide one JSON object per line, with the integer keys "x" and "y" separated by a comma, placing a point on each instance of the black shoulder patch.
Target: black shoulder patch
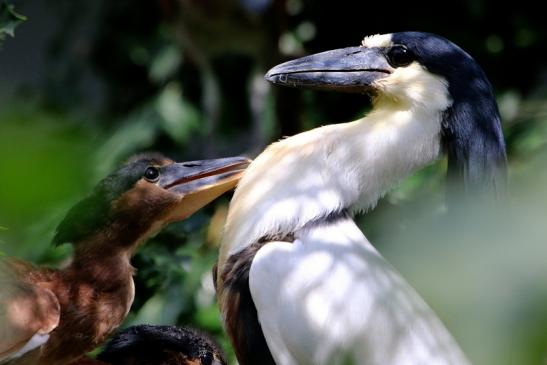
{"x": 328, "y": 219}
{"x": 241, "y": 318}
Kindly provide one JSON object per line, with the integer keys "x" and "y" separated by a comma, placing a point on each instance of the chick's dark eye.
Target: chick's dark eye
{"x": 152, "y": 174}
{"x": 400, "y": 56}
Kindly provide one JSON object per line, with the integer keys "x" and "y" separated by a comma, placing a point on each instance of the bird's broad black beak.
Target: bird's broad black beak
{"x": 352, "y": 69}
{"x": 199, "y": 182}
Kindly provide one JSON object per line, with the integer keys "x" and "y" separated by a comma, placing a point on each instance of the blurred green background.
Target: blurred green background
{"x": 85, "y": 84}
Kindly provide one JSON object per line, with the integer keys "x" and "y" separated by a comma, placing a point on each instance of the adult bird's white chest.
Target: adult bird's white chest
{"x": 330, "y": 298}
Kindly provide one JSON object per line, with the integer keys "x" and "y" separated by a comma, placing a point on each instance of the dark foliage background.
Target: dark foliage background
{"x": 85, "y": 84}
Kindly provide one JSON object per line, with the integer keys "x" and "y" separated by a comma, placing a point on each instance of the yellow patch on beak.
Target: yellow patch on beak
{"x": 205, "y": 194}
{"x": 198, "y": 189}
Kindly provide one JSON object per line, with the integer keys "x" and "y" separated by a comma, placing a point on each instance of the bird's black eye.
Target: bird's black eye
{"x": 152, "y": 174}
{"x": 399, "y": 56}
{"x": 206, "y": 359}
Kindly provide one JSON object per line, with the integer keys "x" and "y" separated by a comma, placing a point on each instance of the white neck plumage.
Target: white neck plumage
{"x": 336, "y": 167}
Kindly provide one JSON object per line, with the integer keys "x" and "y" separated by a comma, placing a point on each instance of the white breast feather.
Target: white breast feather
{"x": 335, "y": 300}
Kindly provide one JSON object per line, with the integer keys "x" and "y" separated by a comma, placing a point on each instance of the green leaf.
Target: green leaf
{"x": 1, "y": 242}
{"x": 179, "y": 118}
{"x": 9, "y": 20}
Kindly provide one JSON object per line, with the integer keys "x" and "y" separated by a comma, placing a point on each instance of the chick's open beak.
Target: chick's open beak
{"x": 200, "y": 182}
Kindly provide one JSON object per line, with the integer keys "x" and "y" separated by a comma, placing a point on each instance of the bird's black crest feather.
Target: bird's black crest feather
{"x": 471, "y": 129}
